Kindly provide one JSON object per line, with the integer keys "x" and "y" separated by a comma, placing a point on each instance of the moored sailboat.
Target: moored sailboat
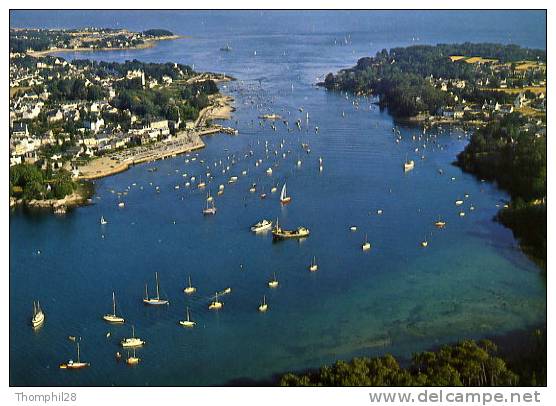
{"x": 154, "y": 300}
{"x": 215, "y": 304}
{"x": 263, "y": 307}
{"x": 113, "y": 318}
{"x": 273, "y": 283}
{"x": 132, "y": 341}
{"x": 38, "y": 315}
{"x": 189, "y": 290}
{"x": 71, "y": 364}
{"x": 187, "y": 322}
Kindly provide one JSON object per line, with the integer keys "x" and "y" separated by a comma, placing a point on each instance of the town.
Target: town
{"x": 65, "y": 115}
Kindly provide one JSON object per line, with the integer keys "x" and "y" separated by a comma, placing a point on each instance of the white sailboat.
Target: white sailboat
{"x": 366, "y": 245}
{"x": 103, "y": 221}
{"x": 263, "y": 307}
{"x": 113, "y": 318}
{"x": 155, "y": 300}
{"x": 132, "y": 341}
{"x": 210, "y": 208}
{"x": 190, "y": 289}
{"x": 71, "y": 364}
{"x": 38, "y": 315}
{"x": 284, "y": 198}
{"x": 132, "y": 360}
{"x": 187, "y": 322}
{"x": 215, "y": 305}
{"x": 314, "y": 267}
{"x": 273, "y": 283}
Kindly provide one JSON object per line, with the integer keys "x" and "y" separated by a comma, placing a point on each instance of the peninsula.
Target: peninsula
{"x": 41, "y": 42}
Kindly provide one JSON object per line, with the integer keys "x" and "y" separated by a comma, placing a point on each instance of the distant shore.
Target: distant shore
{"x": 148, "y": 43}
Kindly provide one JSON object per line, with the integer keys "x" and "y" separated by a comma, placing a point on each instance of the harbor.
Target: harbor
{"x": 363, "y": 191}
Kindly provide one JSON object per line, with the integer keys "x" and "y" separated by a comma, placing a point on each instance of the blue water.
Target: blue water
{"x": 471, "y": 281}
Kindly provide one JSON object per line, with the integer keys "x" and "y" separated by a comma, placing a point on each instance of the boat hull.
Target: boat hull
{"x": 155, "y": 302}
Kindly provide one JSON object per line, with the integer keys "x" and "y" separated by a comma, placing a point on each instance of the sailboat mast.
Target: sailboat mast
{"x": 78, "y": 361}
{"x": 146, "y": 292}
{"x": 113, "y": 303}
{"x": 157, "y": 293}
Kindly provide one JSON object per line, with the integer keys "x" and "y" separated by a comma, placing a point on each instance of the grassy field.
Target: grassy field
{"x": 534, "y": 89}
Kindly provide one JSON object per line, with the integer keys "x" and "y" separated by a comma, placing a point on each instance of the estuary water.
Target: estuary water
{"x": 471, "y": 281}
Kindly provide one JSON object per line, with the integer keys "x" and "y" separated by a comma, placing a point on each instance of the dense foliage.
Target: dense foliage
{"x": 30, "y": 182}
{"x": 401, "y": 76}
{"x": 515, "y": 157}
{"x": 158, "y": 32}
{"x": 468, "y": 363}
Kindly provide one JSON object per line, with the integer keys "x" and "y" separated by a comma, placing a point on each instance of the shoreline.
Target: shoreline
{"x": 148, "y": 43}
{"x": 185, "y": 141}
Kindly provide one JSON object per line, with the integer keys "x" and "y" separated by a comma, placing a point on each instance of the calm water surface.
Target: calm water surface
{"x": 471, "y": 281}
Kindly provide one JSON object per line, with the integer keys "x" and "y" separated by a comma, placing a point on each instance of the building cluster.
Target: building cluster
{"x": 39, "y": 124}
{"x": 524, "y": 81}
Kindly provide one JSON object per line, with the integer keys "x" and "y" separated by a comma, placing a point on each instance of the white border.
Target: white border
{"x": 245, "y": 396}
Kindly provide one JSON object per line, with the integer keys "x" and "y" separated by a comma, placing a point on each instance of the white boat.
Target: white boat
{"x": 121, "y": 204}
{"x": 113, "y": 318}
{"x": 269, "y": 171}
{"x": 189, "y": 290}
{"x": 38, "y": 315}
{"x": 284, "y": 198}
{"x": 187, "y": 322}
{"x": 71, "y": 364}
{"x": 353, "y": 228}
{"x": 366, "y": 244}
{"x": 459, "y": 202}
{"x": 424, "y": 243}
{"x": 440, "y": 224}
{"x": 232, "y": 179}
{"x": 132, "y": 341}
{"x": 408, "y": 165}
{"x": 313, "y": 267}
{"x": 154, "y": 300}
{"x": 103, "y": 221}
{"x": 274, "y": 189}
{"x": 263, "y": 307}
{"x": 262, "y": 225}
{"x": 273, "y": 283}
{"x": 210, "y": 208}
{"x": 215, "y": 304}
{"x": 133, "y": 359}
{"x": 209, "y": 197}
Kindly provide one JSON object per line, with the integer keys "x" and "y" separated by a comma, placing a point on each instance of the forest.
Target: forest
{"x": 402, "y": 77}
{"x": 514, "y": 156}
{"x": 467, "y": 363}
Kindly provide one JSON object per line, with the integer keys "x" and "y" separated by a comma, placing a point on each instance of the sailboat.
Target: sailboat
{"x": 215, "y": 305}
{"x": 408, "y": 165}
{"x": 132, "y": 341}
{"x": 273, "y": 283}
{"x": 440, "y": 223}
{"x": 263, "y": 307}
{"x": 38, "y": 315}
{"x": 314, "y": 267}
{"x": 187, "y": 322}
{"x": 424, "y": 243}
{"x": 112, "y": 318}
{"x": 75, "y": 364}
{"x": 189, "y": 290}
{"x": 103, "y": 221}
{"x": 366, "y": 245}
{"x": 133, "y": 360}
{"x": 155, "y": 300}
{"x": 210, "y": 208}
{"x": 284, "y": 198}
